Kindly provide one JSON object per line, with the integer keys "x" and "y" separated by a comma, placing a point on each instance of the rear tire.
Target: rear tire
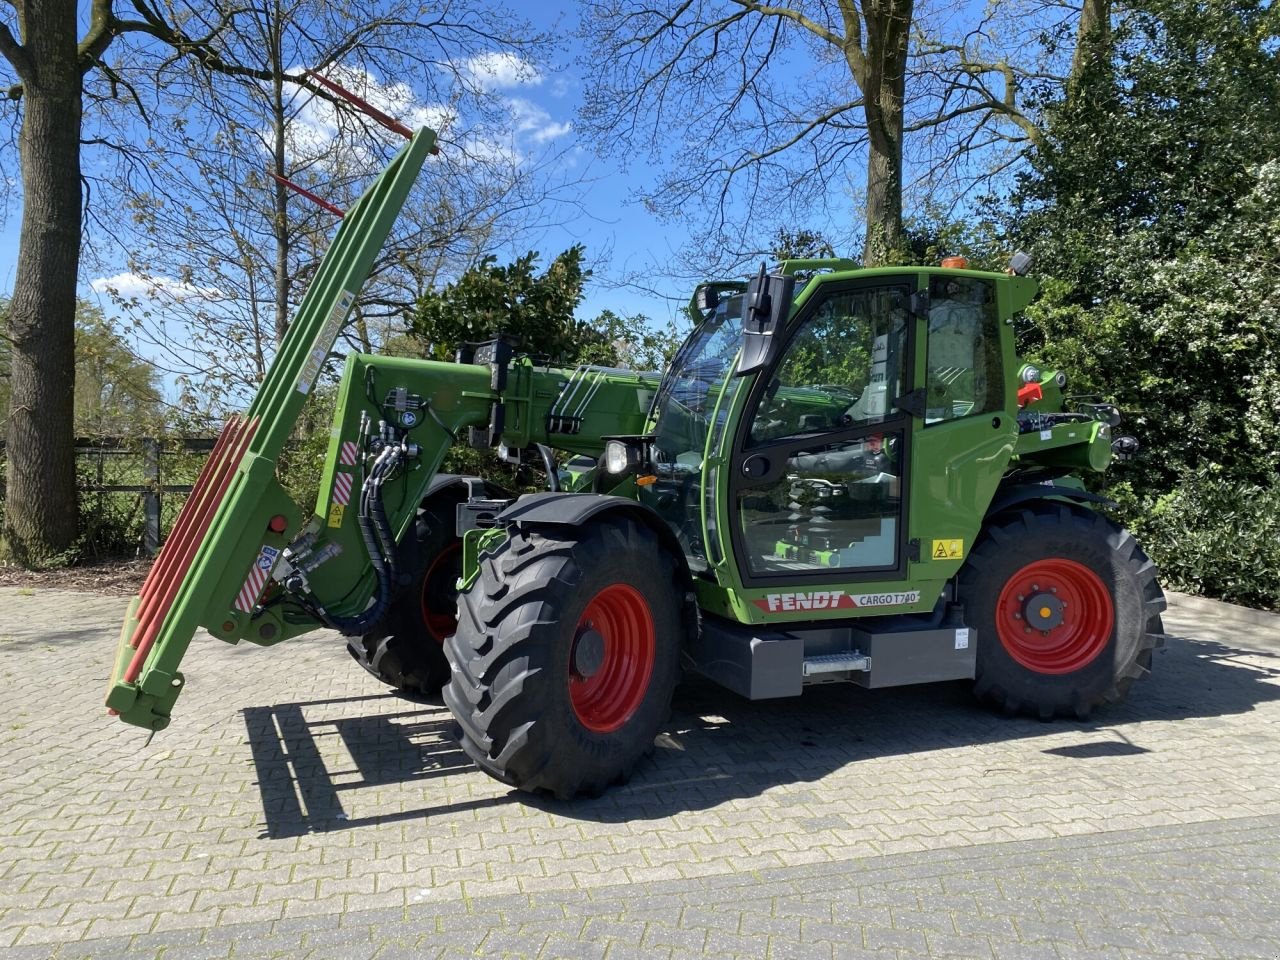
{"x": 406, "y": 648}
{"x": 1066, "y": 608}
{"x": 566, "y": 656}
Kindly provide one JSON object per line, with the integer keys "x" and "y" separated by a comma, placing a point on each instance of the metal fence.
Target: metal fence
{"x": 139, "y": 466}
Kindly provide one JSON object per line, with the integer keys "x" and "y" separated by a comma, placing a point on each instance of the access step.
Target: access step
{"x": 835, "y": 663}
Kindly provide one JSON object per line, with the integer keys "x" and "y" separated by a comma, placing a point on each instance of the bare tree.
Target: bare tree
{"x": 54, "y": 68}
{"x": 979, "y": 87}
{"x": 229, "y": 252}
{"x": 723, "y": 78}
{"x": 775, "y": 107}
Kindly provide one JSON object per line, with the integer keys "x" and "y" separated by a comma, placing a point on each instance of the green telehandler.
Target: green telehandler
{"x": 853, "y": 479}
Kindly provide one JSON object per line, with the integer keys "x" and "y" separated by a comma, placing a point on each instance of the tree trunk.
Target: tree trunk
{"x": 888, "y": 24}
{"x": 279, "y": 159}
{"x": 40, "y": 509}
{"x": 1093, "y": 41}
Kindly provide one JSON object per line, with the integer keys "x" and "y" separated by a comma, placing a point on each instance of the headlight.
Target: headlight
{"x": 616, "y": 457}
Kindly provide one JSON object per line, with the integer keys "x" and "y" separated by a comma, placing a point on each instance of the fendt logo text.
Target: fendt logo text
{"x": 832, "y": 600}
{"x": 818, "y": 600}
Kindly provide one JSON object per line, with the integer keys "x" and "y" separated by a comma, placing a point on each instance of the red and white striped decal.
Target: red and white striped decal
{"x": 341, "y": 488}
{"x": 257, "y": 578}
{"x": 347, "y": 456}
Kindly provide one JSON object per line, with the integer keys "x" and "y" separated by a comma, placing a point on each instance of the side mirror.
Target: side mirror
{"x": 765, "y": 309}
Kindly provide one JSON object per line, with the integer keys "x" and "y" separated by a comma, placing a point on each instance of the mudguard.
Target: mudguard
{"x": 576, "y": 509}
{"x": 1007, "y": 497}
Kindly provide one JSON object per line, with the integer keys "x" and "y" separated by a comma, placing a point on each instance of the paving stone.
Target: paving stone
{"x": 316, "y": 815}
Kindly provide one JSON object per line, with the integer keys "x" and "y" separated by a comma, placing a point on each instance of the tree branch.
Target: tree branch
{"x": 786, "y": 13}
{"x": 102, "y": 22}
{"x": 17, "y": 56}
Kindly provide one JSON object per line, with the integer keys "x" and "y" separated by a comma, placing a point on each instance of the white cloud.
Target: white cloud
{"x": 531, "y": 119}
{"x": 501, "y": 71}
{"x": 131, "y": 285}
{"x": 315, "y": 127}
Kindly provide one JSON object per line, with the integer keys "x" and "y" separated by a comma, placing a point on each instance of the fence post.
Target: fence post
{"x": 151, "y": 497}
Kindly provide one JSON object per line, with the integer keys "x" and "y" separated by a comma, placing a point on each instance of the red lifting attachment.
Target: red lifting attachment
{"x": 362, "y": 105}
{"x": 308, "y": 194}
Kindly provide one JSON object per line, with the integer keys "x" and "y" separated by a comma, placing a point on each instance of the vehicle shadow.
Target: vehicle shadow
{"x": 717, "y": 746}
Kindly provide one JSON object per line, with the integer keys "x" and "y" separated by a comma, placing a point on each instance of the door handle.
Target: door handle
{"x": 756, "y": 467}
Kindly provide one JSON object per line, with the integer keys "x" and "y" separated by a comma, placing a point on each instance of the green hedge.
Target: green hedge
{"x": 1217, "y": 537}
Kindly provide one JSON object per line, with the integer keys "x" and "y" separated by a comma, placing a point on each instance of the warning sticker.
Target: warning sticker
{"x": 336, "y": 510}
{"x": 947, "y": 550}
{"x": 257, "y": 578}
{"x": 962, "y": 638}
{"x": 342, "y": 483}
{"x": 324, "y": 343}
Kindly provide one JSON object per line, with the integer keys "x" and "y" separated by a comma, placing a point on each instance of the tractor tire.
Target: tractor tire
{"x": 566, "y": 656}
{"x": 406, "y": 648}
{"x": 1066, "y": 607}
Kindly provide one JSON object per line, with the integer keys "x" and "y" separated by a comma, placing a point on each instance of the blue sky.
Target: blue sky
{"x": 620, "y": 236}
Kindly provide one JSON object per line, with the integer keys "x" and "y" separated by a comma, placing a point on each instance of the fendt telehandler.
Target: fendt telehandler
{"x": 848, "y": 479}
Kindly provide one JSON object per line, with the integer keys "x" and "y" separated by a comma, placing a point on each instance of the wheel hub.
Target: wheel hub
{"x": 1054, "y": 616}
{"x": 1042, "y": 611}
{"x": 588, "y": 653}
{"x": 611, "y": 659}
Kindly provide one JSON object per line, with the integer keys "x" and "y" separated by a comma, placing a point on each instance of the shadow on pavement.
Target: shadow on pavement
{"x": 718, "y": 746}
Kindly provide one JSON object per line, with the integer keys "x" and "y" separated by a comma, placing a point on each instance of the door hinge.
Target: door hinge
{"x": 912, "y": 403}
{"x": 913, "y": 550}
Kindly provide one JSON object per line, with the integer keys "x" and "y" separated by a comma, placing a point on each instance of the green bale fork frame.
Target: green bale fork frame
{"x": 235, "y": 522}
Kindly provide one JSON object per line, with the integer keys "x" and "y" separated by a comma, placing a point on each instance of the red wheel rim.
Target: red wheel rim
{"x": 1055, "y": 616}
{"x": 440, "y": 594}
{"x": 606, "y": 699}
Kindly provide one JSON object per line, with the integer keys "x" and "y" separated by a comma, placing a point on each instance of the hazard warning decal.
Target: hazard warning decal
{"x": 342, "y": 488}
{"x": 342, "y": 484}
{"x": 257, "y": 578}
{"x": 947, "y": 550}
{"x": 347, "y": 454}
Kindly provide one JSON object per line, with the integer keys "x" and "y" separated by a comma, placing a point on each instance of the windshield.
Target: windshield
{"x": 683, "y": 413}
{"x": 693, "y": 385}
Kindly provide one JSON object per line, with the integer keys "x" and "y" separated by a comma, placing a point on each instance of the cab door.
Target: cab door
{"x": 819, "y": 472}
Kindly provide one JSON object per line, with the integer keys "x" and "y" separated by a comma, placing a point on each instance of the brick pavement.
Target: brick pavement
{"x": 295, "y": 808}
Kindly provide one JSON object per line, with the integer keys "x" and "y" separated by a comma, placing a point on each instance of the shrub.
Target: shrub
{"x": 1218, "y": 537}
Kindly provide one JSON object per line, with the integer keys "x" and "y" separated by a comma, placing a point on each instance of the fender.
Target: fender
{"x": 1007, "y": 497}
{"x": 575, "y": 509}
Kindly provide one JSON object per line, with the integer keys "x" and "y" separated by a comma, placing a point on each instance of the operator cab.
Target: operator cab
{"x": 806, "y": 459}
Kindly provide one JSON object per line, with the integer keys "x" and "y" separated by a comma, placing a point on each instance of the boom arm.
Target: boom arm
{"x": 241, "y": 563}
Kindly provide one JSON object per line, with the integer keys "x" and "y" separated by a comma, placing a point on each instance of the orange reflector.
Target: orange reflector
{"x": 645, "y": 480}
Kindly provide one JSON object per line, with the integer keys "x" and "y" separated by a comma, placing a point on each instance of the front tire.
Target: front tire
{"x": 1066, "y": 607}
{"x": 566, "y": 656}
{"x": 405, "y": 649}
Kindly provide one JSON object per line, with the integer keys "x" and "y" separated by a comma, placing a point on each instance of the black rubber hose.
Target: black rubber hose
{"x": 375, "y": 531}
{"x": 553, "y": 477}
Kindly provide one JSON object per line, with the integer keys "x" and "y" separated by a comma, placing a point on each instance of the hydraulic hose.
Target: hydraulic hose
{"x": 553, "y": 477}
{"x": 375, "y": 531}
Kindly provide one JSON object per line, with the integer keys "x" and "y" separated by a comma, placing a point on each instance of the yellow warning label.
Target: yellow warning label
{"x": 948, "y": 550}
{"x": 335, "y": 514}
